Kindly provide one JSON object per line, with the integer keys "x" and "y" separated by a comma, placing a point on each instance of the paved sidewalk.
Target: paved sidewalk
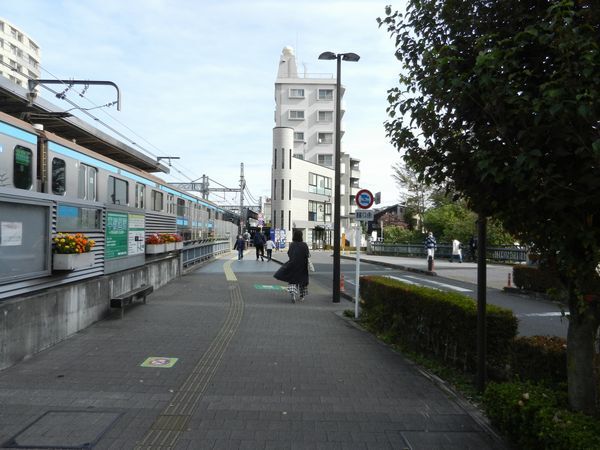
{"x": 240, "y": 367}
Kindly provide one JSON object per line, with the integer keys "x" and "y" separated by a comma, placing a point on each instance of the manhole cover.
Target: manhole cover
{"x": 64, "y": 429}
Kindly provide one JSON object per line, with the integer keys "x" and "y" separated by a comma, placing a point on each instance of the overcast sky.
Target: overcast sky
{"x": 197, "y": 77}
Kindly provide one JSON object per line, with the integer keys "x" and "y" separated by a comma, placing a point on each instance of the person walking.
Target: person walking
{"x": 456, "y": 251}
{"x": 259, "y": 245}
{"x": 473, "y": 248}
{"x": 269, "y": 247}
{"x": 240, "y": 245}
{"x": 430, "y": 246}
{"x": 295, "y": 270}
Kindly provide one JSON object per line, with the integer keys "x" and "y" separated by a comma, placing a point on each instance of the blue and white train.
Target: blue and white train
{"x": 50, "y": 185}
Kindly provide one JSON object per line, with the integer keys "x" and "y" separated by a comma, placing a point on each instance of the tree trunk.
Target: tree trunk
{"x": 580, "y": 361}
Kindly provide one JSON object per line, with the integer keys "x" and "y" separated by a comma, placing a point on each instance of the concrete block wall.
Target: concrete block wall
{"x": 32, "y": 323}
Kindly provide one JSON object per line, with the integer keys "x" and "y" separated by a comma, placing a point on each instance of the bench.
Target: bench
{"x": 127, "y": 298}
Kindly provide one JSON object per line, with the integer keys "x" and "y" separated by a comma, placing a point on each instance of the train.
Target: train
{"x": 50, "y": 185}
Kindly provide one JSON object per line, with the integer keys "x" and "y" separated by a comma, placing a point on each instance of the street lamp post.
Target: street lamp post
{"x": 336, "y": 207}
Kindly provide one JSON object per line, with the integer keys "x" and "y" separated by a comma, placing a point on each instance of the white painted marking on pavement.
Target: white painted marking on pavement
{"x": 449, "y": 286}
{"x": 546, "y": 314}
{"x": 403, "y": 280}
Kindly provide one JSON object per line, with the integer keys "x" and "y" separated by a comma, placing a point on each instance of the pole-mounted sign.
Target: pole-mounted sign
{"x": 364, "y": 199}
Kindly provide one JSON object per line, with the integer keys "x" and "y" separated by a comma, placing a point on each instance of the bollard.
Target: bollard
{"x": 509, "y": 285}
{"x": 430, "y": 263}
{"x": 342, "y": 283}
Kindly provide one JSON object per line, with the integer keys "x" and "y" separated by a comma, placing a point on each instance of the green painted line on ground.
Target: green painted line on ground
{"x": 269, "y": 287}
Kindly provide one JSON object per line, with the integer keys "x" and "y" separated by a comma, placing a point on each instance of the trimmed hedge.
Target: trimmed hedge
{"x": 540, "y": 359}
{"x": 439, "y": 324}
{"x": 535, "y": 279}
{"x": 535, "y": 417}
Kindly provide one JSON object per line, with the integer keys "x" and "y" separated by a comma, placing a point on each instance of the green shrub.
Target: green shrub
{"x": 535, "y": 279}
{"x": 512, "y": 408}
{"x": 439, "y": 324}
{"x": 535, "y": 417}
{"x": 540, "y": 359}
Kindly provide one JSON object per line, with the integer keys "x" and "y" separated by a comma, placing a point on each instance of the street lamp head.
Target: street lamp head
{"x": 327, "y": 55}
{"x": 350, "y": 57}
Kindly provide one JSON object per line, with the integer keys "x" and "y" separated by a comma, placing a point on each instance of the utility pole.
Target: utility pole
{"x": 242, "y": 187}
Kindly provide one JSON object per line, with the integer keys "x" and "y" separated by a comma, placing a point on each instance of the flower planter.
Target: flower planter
{"x": 178, "y": 245}
{"x": 169, "y": 246}
{"x": 152, "y": 249}
{"x": 72, "y": 261}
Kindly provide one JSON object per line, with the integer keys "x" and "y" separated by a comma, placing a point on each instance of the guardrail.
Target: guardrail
{"x": 197, "y": 252}
{"x": 511, "y": 254}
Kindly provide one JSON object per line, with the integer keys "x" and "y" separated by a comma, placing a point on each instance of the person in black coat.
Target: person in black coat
{"x": 259, "y": 244}
{"x": 239, "y": 245}
{"x": 295, "y": 270}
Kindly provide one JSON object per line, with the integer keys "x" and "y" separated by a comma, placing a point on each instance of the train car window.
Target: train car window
{"x": 23, "y": 167}
{"x": 180, "y": 207}
{"x": 118, "y": 191}
{"x": 140, "y": 195}
{"x": 87, "y": 182}
{"x": 58, "y": 176}
{"x": 157, "y": 201}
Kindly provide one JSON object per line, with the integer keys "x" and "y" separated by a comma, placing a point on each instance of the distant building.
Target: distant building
{"x": 303, "y": 156}
{"x": 19, "y": 55}
{"x": 387, "y": 216}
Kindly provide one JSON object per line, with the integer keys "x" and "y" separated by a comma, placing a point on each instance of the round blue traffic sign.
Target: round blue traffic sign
{"x": 364, "y": 199}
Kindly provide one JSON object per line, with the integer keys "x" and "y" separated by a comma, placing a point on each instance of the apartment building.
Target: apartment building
{"x": 19, "y": 55}
{"x": 302, "y": 172}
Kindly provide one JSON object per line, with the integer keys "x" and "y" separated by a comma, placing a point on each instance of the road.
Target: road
{"x": 536, "y": 316}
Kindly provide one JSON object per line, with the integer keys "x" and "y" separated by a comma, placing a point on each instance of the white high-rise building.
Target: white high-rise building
{"x": 19, "y": 55}
{"x": 303, "y": 152}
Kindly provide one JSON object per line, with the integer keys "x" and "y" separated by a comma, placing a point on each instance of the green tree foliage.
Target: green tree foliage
{"x": 502, "y": 101}
{"x": 400, "y": 235}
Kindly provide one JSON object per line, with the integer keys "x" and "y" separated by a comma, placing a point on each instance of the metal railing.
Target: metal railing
{"x": 513, "y": 254}
{"x": 197, "y": 252}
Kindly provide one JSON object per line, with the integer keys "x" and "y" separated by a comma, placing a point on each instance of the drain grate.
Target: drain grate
{"x": 65, "y": 430}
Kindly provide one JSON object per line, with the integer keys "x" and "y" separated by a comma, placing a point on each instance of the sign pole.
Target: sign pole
{"x": 357, "y": 281}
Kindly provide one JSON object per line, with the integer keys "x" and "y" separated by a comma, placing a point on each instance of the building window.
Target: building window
{"x": 325, "y": 116}
{"x": 298, "y": 136}
{"x": 58, "y": 176}
{"x": 295, "y": 114}
{"x": 87, "y": 182}
{"x": 117, "y": 191}
{"x": 157, "y": 201}
{"x": 296, "y": 93}
{"x": 312, "y": 210}
{"x": 325, "y": 160}
{"x": 289, "y": 219}
{"x": 140, "y": 195}
{"x": 282, "y": 222}
{"x": 274, "y": 218}
{"x": 283, "y": 158}
{"x": 23, "y": 167}
{"x": 275, "y": 189}
{"x": 282, "y": 189}
{"x": 299, "y": 156}
{"x": 325, "y": 138}
{"x": 325, "y": 94}
{"x": 290, "y": 190}
{"x": 319, "y": 211}
{"x": 290, "y": 164}
{"x": 275, "y": 159}
{"x": 318, "y": 184}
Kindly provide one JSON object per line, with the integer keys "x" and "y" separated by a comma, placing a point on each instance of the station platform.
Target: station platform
{"x": 221, "y": 359}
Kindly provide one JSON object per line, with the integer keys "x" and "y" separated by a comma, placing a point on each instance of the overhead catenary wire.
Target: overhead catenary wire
{"x": 174, "y": 166}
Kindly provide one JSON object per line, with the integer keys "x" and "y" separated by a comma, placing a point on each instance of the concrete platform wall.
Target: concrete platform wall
{"x": 30, "y": 324}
